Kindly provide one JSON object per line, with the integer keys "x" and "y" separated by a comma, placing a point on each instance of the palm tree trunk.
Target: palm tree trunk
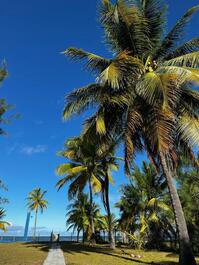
{"x": 78, "y": 231}
{"x": 83, "y": 235}
{"x": 35, "y": 226}
{"x": 92, "y": 238}
{"x": 186, "y": 255}
{"x": 110, "y": 228}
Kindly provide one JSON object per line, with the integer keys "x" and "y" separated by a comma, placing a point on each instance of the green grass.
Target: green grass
{"x": 23, "y": 254}
{"x": 78, "y": 254}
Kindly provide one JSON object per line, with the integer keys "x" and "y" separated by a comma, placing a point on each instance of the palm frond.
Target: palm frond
{"x": 158, "y": 88}
{"x": 63, "y": 168}
{"x": 3, "y": 72}
{"x": 123, "y": 25}
{"x": 180, "y": 74}
{"x": 169, "y": 43}
{"x": 80, "y": 99}
{"x": 187, "y": 47}
{"x": 94, "y": 62}
{"x": 187, "y": 60}
{"x": 188, "y": 128}
{"x": 160, "y": 129}
{"x": 100, "y": 123}
{"x": 154, "y": 13}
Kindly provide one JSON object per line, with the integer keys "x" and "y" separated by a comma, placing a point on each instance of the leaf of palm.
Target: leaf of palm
{"x": 187, "y": 47}
{"x": 94, "y": 62}
{"x": 175, "y": 34}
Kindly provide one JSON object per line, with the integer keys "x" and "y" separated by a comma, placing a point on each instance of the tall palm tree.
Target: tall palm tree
{"x": 145, "y": 94}
{"x": 108, "y": 163}
{"x": 36, "y": 202}
{"x": 82, "y": 170}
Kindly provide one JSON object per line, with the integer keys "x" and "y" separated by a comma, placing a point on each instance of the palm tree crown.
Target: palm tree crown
{"x": 36, "y": 200}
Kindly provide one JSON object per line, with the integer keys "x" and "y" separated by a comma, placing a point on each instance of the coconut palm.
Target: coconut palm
{"x": 82, "y": 170}
{"x": 36, "y": 202}
{"x": 146, "y": 194}
{"x": 88, "y": 166}
{"x": 108, "y": 163}
{"x": 145, "y": 94}
{"x": 78, "y": 216}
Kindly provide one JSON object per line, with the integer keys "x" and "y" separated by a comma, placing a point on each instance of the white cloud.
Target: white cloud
{"x": 18, "y": 230}
{"x": 31, "y": 150}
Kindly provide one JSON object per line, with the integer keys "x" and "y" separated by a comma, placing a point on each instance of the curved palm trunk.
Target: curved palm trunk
{"x": 186, "y": 255}
{"x": 110, "y": 228}
{"x": 92, "y": 238}
{"x": 35, "y": 226}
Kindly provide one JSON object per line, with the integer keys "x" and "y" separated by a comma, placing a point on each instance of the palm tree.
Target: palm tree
{"x": 81, "y": 171}
{"x": 89, "y": 166}
{"x": 108, "y": 163}
{"x": 3, "y": 224}
{"x": 151, "y": 218}
{"x": 145, "y": 94}
{"x": 35, "y": 203}
{"x": 78, "y": 216}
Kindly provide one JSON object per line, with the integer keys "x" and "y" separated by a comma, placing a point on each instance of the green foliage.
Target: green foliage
{"x": 144, "y": 208}
{"x": 3, "y": 224}
{"x": 36, "y": 200}
{"x": 188, "y": 181}
{"x": 142, "y": 90}
{"x": 78, "y": 216}
{"x": 146, "y": 95}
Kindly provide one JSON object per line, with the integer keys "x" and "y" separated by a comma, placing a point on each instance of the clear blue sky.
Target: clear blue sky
{"x": 33, "y": 33}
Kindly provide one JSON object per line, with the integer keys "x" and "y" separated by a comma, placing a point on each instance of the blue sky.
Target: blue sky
{"x": 33, "y": 33}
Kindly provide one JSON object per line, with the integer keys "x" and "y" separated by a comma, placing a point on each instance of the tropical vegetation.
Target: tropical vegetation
{"x": 146, "y": 215}
{"x": 145, "y": 94}
{"x": 36, "y": 202}
{"x": 87, "y": 166}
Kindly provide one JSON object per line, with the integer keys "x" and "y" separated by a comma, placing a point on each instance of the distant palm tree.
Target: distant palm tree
{"x": 36, "y": 202}
{"x": 146, "y": 92}
{"x": 3, "y": 224}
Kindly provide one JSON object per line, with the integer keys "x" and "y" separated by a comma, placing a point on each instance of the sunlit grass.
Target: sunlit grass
{"x": 78, "y": 254}
{"x": 23, "y": 254}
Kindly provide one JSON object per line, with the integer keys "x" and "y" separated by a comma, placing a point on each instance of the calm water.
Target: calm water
{"x": 10, "y": 239}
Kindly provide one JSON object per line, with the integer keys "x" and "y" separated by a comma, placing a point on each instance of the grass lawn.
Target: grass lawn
{"x": 23, "y": 254}
{"x": 78, "y": 254}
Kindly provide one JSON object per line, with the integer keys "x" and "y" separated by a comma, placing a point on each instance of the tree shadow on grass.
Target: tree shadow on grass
{"x": 43, "y": 246}
{"x": 74, "y": 248}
